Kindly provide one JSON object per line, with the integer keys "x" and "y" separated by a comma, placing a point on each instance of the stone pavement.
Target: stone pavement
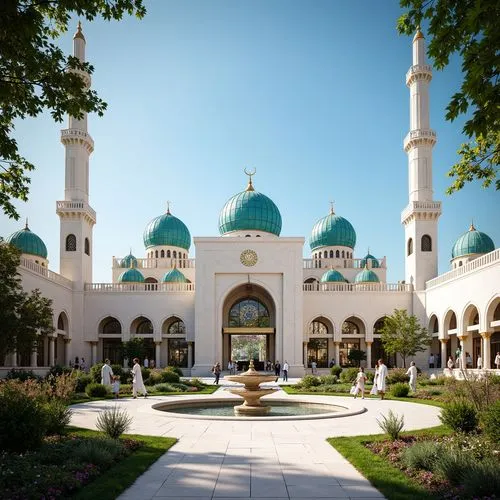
{"x": 249, "y": 460}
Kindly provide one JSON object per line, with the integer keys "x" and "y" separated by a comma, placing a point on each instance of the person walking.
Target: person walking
{"x": 285, "y": 371}
{"x": 106, "y": 373}
{"x": 313, "y": 367}
{"x": 497, "y": 360}
{"x": 216, "y": 370}
{"x": 277, "y": 368}
{"x": 230, "y": 367}
{"x": 83, "y": 365}
{"x": 412, "y": 373}
{"x": 382, "y": 375}
{"x": 360, "y": 383}
{"x": 479, "y": 362}
{"x": 137, "y": 382}
{"x": 115, "y": 386}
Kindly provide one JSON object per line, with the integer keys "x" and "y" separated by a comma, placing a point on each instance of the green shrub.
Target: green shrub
{"x": 155, "y": 376}
{"x": 392, "y": 425}
{"x": 22, "y": 420}
{"x": 397, "y": 375}
{"x": 117, "y": 370}
{"x": 82, "y": 381}
{"x": 460, "y": 416}
{"x": 400, "y": 390}
{"x": 57, "y": 415}
{"x": 113, "y": 422}
{"x": 21, "y": 375}
{"x": 165, "y": 387}
{"x": 494, "y": 379}
{"x": 179, "y": 385}
{"x": 490, "y": 422}
{"x": 328, "y": 379}
{"x": 336, "y": 370}
{"x": 125, "y": 388}
{"x": 482, "y": 479}
{"x": 175, "y": 369}
{"x": 91, "y": 451}
{"x": 96, "y": 390}
{"x": 348, "y": 375}
{"x": 330, "y": 388}
{"x": 369, "y": 377}
{"x": 145, "y": 374}
{"x": 95, "y": 372}
{"x": 169, "y": 376}
{"x": 196, "y": 382}
{"x": 422, "y": 455}
{"x": 309, "y": 381}
{"x": 452, "y": 465}
{"x": 58, "y": 370}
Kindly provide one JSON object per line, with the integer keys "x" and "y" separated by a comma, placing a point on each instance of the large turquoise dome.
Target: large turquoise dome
{"x": 167, "y": 230}
{"x": 250, "y": 211}
{"x": 332, "y": 230}
{"x": 332, "y": 276}
{"x": 471, "y": 242}
{"x": 128, "y": 261}
{"x": 131, "y": 276}
{"x": 28, "y": 242}
{"x": 364, "y": 261}
{"x": 366, "y": 276}
{"x": 174, "y": 276}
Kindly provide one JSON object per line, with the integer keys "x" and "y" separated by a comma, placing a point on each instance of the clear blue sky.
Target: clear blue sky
{"x": 311, "y": 94}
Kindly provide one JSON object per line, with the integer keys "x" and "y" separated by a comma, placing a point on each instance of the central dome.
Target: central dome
{"x": 28, "y": 242}
{"x": 250, "y": 211}
{"x": 332, "y": 231}
{"x": 167, "y": 230}
{"x": 472, "y": 242}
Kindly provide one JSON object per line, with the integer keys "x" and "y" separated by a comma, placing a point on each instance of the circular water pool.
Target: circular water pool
{"x": 281, "y": 409}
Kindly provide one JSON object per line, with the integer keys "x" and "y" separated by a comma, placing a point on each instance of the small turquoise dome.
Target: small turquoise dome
{"x": 167, "y": 230}
{"x": 28, "y": 242}
{"x": 473, "y": 241}
{"x": 250, "y": 211}
{"x": 174, "y": 276}
{"x": 364, "y": 261}
{"x": 131, "y": 276}
{"x": 366, "y": 276}
{"x": 332, "y": 230}
{"x": 332, "y": 276}
{"x": 128, "y": 261}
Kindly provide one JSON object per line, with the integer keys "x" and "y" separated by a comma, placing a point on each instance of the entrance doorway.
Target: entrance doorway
{"x": 243, "y": 348}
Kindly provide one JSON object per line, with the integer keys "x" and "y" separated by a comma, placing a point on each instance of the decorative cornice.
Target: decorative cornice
{"x": 76, "y": 136}
{"x": 419, "y": 137}
{"x": 421, "y": 210}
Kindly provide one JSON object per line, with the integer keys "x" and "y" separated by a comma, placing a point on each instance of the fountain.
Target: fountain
{"x": 251, "y": 393}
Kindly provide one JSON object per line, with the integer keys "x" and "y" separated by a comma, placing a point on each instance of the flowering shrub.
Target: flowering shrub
{"x": 397, "y": 375}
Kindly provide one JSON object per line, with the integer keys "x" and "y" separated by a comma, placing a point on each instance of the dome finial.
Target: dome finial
{"x": 418, "y": 34}
{"x": 79, "y": 32}
{"x": 472, "y": 228}
{"x": 250, "y": 174}
{"x": 168, "y": 207}
{"x": 332, "y": 209}
{"x": 26, "y": 227}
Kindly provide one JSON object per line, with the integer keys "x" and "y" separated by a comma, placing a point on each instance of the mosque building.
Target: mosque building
{"x": 250, "y": 282}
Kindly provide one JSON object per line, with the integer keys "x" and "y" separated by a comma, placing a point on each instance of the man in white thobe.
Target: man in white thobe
{"x": 106, "y": 373}
{"x": 137, "y": 382}
{"x": 412, "y": 373}
{"x": 382, "y": 375}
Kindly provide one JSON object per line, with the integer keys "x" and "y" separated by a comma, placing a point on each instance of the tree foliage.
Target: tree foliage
{"x": 22, "y": 315}
{"x": 134, "y": 348}
{"x": 36, "y": 75}
{"x": 403, "y": 335}
{"x": 355, "y": 356}
{"x": 469, "y": 28}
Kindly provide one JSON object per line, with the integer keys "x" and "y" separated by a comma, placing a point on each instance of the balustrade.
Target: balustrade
{"x": 161, "y": 263}
{"x": 357, "y": 287}
{"x": 45, "y": 272}
{"x": 328, "y": 263}
{"x": 139, "y": 287}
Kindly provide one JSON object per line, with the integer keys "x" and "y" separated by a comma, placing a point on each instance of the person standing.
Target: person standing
{"x": 458, "y": 358}
{"x": 230, "y": 367}
{"x": 313, "y": 367}
{"x": 106, "y": 373}
{"x": 115, "y": 386}
{"x": 137, "y": 382}
{"x": 277, "y": 368}
{"x": 216, "y": 371}
{"x": 412, "y": 373}
{"x": 497, "y": 360}
{"x": 431, "y": 360}
{"x": 451, "y": 363}
{"x": 360, "y": 383}
{"x": 285, "y": 371}
{"x": 83, "y": 365}
{"x": 468, "y": 360}
{"x": 382, "y": 375}
{"x": 332, "y": 363}
{"x": 146, "y": 362}
{"x": 479, "y": 362}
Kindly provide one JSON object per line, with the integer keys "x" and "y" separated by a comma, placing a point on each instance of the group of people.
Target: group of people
{"x": 79, "y": 364}
{"x": 468, "y": 361}
{"x": 379, "y": 381}
{"x": 278, "y": 369}
{"x": 112, "y": 381}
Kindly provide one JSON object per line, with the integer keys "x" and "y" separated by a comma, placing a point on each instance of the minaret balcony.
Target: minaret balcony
{"x": 76, "y": 136}
{"x": 418, "y": 72}
{"x": 421, "y": 210}
{"x": 76, "y": 208}
{"x": 418, "y": 137}
{"x": 83, "y": 75}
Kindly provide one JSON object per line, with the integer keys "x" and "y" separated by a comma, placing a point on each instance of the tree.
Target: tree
{"x": 403, "y": 335}
{"x": 23, "y": 316}
{"x": 134, "y": 348}
{"x": 35, "y": 75}
{"x": 469, "y": 28}
{"x": 355, "y": 356}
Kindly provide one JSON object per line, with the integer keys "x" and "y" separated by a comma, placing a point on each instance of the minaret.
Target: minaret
{"x": 76, "y": 215}
{"x": 420, "y": 217}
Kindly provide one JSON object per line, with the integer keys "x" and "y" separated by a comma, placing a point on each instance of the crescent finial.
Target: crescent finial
{"x": 250, "y": 174}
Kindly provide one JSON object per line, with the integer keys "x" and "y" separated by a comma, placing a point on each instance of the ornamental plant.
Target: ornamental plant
{"x": 114, "y": 422}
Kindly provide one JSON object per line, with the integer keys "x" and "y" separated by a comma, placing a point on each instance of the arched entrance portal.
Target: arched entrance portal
{"x": 248, "y": 327}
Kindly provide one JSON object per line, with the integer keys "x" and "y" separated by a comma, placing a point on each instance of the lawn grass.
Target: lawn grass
{"x": 118, "y": 478}
{"x": 389, "y": 480}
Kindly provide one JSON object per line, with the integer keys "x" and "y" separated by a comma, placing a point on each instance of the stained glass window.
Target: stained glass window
{"x": 177, "y": 327}
{"x": 318, "y": 328}
{"x": 249, "y": 313}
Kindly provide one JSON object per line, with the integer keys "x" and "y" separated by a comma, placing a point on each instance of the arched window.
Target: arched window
{"x": 460, "y": 264}
{"x": 174, "y": 254}
{"x": 349, "y": 328}
{"x": 177, "y": 328}
{"x": 337, "y": 254}
{"x": 379, "y": 324}
{"x": 60, "y": 322}
{"x": 168, "y": 254}
{"x": 331, "y": 254}
{"x": 145, "y": 326}
{"x": 453, "y": 322}
{"x": 325, "y": 254}
{"x": 249, "y": 313}
{"x": 87, "y": 246}
{"x": 150, "y": 280}
{"x": 71, "y": 243}
{"x": 162, "y": 254}
{"x": 343, "y": 254}
{"x": 248, "y": 235}
{"x": 426, "y": 243}
{"x": 409, "y": 247}
{"x": 156, "y": 254}
{"x": 318, "y": 328}
{"x": 111, "y": 325}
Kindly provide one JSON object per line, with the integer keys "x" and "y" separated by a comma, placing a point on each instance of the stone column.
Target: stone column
{"x": 463, "y": 363}
{"x": 486, "y": 350}
{"x": 190, "y": 355}
{"x": 369, "y": 354}
{"x": 337, "y": 352}
{"x": 444, "y": 358}
{"x": 305, "y": 355}
{"x": 158, "y": 353}
{"x": 34, "y": 357}
{"x": 93, "y": 353}
{"x": 52, "y": 350}
{"x": 14, "y": 359}
{"x": 66, "y": 351}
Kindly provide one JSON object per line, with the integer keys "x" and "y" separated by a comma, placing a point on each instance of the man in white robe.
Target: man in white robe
{"x": 412, "y": 373}
{"x": 382, "y": 375}
{"x": 106, "y": 373}
{"x": 137, "y": 382}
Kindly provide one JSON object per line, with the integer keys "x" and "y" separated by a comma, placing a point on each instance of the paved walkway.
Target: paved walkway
{"x": 249, "y": 459}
